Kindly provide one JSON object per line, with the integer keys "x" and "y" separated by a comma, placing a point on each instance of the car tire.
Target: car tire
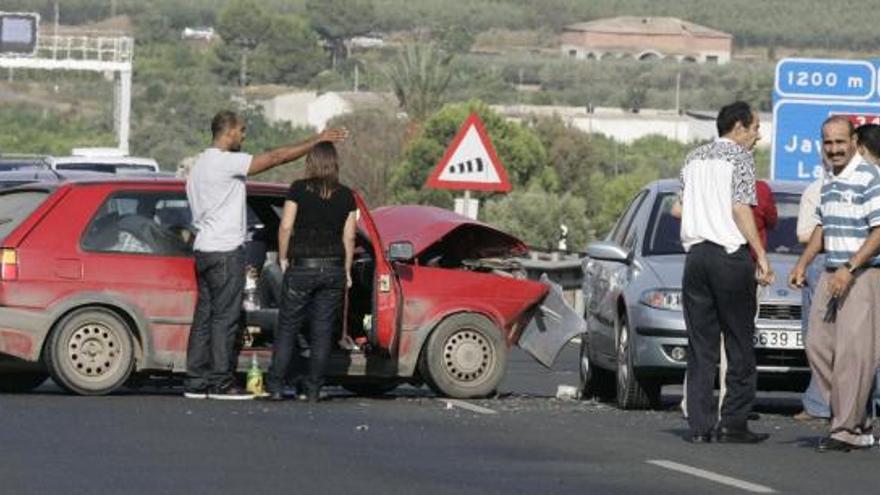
{"x": 21, "y": 381}
{"x": 90, "y": 352}
{"x": 595, "y": 382}
{"x": 633, "y": 392}
{"x": 465, "y": 357}
{"x": 372, "y": 388}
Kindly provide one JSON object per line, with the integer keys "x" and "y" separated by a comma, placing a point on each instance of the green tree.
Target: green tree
{"x": 613, "y": 194}
{"x": 373, "y": 149}
{"x": 337, "y": 21}
{"x": 537, "y": 217}
{"x": 243, "y": 25}
{"x": 518, "y": 148}
{"x": 289, "y": 53}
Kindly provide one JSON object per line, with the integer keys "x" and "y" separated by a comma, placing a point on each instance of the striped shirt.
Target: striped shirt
{"x": 850, "y": 208}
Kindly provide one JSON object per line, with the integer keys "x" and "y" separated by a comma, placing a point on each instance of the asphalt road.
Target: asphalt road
{"x": 152, "y": 441}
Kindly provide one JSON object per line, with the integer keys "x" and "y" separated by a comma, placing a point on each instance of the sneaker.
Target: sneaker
{"x": 195, "y": 394}
{"x": 231, "y": 393}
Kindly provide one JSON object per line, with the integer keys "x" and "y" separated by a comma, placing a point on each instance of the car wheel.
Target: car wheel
{"x": 595, "y": 382}
{"x": 465, "y": 357}
{"x": 90, "y": 352}
{"x": 22, "y": 381}
{"x": 372, "y": 388}
{"x": 632, "y": 392}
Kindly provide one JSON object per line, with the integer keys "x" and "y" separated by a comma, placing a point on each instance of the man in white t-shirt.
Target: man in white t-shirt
{"x": 217, "y": 196}
{"x": 718, "y": 286}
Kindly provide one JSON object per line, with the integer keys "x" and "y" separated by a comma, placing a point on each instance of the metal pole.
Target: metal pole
{"x": 123, "y": 124}
{"x": 677, "y": 92}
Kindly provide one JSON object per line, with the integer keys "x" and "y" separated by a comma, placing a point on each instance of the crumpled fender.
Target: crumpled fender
{"x": 550, "y": 325}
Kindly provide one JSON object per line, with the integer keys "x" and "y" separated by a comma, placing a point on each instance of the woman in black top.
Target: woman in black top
{"x": 315, "y": 250}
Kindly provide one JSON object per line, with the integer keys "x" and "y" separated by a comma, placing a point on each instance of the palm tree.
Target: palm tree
{"x": 419, "y": 78}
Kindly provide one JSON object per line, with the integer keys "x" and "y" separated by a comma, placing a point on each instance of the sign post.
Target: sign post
{"x": 808, "y": 91}
{"x": 470, "y": 163}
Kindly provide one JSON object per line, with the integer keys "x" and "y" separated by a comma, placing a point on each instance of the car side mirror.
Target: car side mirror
{"x": 608, "y": 251}
{"x": 401, "y": 251}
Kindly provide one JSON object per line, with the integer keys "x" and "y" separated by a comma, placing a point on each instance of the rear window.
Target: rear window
{"x": 16, "y": 206}
{"x": 110, "y": 168}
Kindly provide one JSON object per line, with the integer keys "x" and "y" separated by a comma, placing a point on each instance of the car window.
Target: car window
{"x": 618, "y": 235}
{"x": 664, "y": 229}
{"x": 16, "y": 206}
{"x": 783, "y": 238}
{"x": 141, "y": 222}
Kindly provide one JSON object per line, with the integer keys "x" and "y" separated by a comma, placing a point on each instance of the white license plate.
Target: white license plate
{"x": 778, "y": 339}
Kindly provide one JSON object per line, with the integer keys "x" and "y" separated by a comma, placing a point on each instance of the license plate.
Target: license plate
{"x": 778, "y": 339}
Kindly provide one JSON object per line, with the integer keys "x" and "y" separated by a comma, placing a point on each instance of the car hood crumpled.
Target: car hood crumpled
{"x": 428, "y": 227}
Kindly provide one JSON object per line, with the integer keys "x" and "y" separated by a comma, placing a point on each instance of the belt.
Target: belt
{"x": 317, "y": 262}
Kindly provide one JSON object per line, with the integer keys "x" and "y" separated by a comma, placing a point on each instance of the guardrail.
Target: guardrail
{"x": 563, "y": 269}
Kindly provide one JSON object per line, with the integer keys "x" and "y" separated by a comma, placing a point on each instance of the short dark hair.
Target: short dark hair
{"x": 839, "y": 119}
{"x": 738, "y": 111}
{"x": 869, "y": 136}
{"x": 223, "y": 121}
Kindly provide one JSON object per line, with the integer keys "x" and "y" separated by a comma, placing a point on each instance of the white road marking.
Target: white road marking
{"x": 709, "y": 475}
{"x": 467, "y": 405}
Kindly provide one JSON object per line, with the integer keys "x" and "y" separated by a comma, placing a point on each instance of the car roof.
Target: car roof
{"x": 783, "y": 186}
{"x": 90, "y": 178}
{"x": 111, "y": 160}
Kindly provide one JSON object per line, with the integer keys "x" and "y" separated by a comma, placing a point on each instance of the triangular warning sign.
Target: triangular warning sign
{"x": 470, "y": 162}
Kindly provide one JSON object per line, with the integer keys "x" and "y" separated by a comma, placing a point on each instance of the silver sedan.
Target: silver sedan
{"x": 636, "y": 342}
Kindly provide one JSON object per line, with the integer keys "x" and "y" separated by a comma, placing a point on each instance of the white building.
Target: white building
{"x": 626, "y": 127}
{"x": 311, "y": 109}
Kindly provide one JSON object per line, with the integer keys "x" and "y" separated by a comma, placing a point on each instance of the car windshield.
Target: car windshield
{"x": 663, "y": 229}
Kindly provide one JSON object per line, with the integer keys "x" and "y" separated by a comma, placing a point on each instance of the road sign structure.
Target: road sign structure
{"x": 470, "y": 163}
{"x": 808, "y": 91}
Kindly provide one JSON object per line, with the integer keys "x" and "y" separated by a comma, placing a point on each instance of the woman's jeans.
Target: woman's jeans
{"x": 310, "y": 298}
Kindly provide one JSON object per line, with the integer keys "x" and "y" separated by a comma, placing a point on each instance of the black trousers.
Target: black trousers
{"x": 719, "y": 296}
{"x": 313, "y": 297}
{"x": 211, "y": 355}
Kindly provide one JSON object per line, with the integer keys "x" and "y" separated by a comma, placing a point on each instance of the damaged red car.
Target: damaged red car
{"x": 97, "y": 288}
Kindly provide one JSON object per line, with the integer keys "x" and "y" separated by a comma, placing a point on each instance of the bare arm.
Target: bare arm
{"x": 843, "y": 278}
{"x": 285, "y": 231}
{"x": 814, "y": 246}
{"x": 273, "y": 158}
{"x": 348, "y": 235}
{"x": 745, "y": 222}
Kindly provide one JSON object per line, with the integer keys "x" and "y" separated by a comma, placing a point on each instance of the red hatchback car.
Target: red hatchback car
{"x": 97, "y": 284}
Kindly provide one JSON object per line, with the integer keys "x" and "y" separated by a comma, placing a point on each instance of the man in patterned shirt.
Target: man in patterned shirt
{"x": 844, "y": 324}
{"x": 718, "y": 287}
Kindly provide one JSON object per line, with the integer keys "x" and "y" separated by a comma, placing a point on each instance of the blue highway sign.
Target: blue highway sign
{"x": 797, "y": 143}
{"x": 826, "y": 79}
{"x": 808, "y": 91}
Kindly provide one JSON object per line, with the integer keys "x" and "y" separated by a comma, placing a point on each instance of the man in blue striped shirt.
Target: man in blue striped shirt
{"x": 844, "y": 322}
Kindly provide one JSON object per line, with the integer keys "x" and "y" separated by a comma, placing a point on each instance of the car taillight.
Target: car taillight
{"x": 8, "y": 264}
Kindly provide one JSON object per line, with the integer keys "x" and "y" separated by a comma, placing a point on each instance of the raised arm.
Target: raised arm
{"x": 273, "y": 158}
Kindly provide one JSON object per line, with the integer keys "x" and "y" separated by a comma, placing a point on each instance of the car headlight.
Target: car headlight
{"x": 668, "y": 299}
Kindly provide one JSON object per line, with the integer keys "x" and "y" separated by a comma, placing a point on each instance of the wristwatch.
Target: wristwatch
{"x": 849, "y": 266}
